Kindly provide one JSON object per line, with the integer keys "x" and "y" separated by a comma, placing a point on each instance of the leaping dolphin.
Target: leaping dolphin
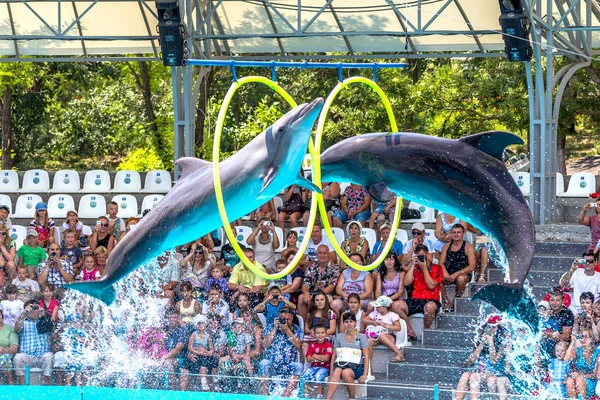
{"x": 465, "y": 177}
{"x": 254, "y": 175}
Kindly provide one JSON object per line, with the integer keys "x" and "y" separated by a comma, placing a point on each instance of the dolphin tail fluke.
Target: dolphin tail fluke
{"x": 511, "y": 299}
{"x": 106, "y": 294}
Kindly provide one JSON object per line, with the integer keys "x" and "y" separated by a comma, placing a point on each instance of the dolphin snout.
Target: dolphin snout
{"x": 315, "y": 104}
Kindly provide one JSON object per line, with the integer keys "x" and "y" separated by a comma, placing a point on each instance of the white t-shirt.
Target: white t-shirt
{"x": 11, "y": 309}
{"x": 426, "y": 242}
{"x": 388, "y": 318}
{"x": 581, "y": 283}
{"x": 311, "y": 250}
{"x": 26, "y": 289}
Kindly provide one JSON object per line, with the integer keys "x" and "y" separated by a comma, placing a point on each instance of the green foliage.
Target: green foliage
{"x": 141, "y": 160}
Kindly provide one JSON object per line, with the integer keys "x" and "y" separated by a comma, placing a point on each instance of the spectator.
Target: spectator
{"x": 582, "y": 278}
{"x": 293, "y": 206}
{"x": 5, "y": 216}
{"x": 382, "y": 325}
{"x": 317, "y": 239}
{"x": 355, "y": 307}
{"x": 559, "y": 326}
{"x": 177, "y": 343}
{"x": 266, "y": 210}
{"x": 291, "y": 244}
{"x": 593, "y": 221}
{"x": 271, "y": 305}
{"x": 54, "y": 270}
{"x": 426, "y": 279}
{"x": 9, "y": 345}
{"x": 558, "y": 371}
{"x": 238, "y": 357}
{"x": 319, "y": 354}
{"x": 116, "y": 226}
{"x": 418, "y": 237}
{"x": 201, "y": 354}
{"x": 229, "y": 258}
{"x": 7, "y": 254}
{"x": 101, "y": 255}
{"x": 355, "y": 204}
{"x": 353, "y": 281}
{"x": 43, "y": 225}
{"x": 169, "y": 275}
{"x": 583, "y": 355}
{"x": 384, "y": 233}
{"x": 350, "y": 359}
{"x": 11, "y": 307}
{"x": 187, "y": 307}
{"x": 319, "y": 313}
{"x": 389, "y": 280}
{"x": 196, "y": 267}
{"x": 49, "y": 303}
{"x": 282, "y": 342}
{"x": 90, "y": 271}
{"x": 243, "y": 280}
{"x": 297, "y": 274}
{"x": 215, "y": 305}
{"x": 443, "y": 231}
{"x": 264, "y": 242}
{"x": 457, "y": 261}
{"x": 73, "y": 223}
{"x": 383, "y": 211}
{"x": 355, "y": 243}
{"x": 285, "y": 281}
{"x": 30, "y": 254}
{"x": 130, "y": 225}
{"x": 584, "y": 319}
{"x": 34, "y": 348}
{"x": 216, "y": 278}
{"x": 71, "y": 252}
{"x": 331, "y": 198}
{"x": 102, "y": 235}
{"x": 320, "y": 276}
{"x": 27, "y": 288}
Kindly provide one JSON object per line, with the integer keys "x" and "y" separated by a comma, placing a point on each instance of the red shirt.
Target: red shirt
{"x": 320, "y": 349}
{"x": 421, "y": 291}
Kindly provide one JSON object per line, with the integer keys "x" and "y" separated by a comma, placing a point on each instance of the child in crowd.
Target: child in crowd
{"x": 382, "y": 211}
{"x": 283, "y": 283}
{"x": 188, "y": 307}
{"x": 115, "y": 224}
{"x": 354, "y": 305}
{"x": 216, "y": 278}
{"x": 43, "y": 225}
{"x": 558, "y": 370}
{"x": 238, "y": 361}
{"x": 382, "y": 326}
{"x": 31, "y": 254}
{"x": 319, "y": 313}
{"x": 215, "y": 305}
{"x": 271, "y": 305}
{"x": 5, "y": 216}
{"x": 229, "y": 258}
{"x": 70, "y": 250}
{"x": 201, "y": 354}
{"x": 242, "y": 304}
{"x": 73, "y": 223}
{"x": 318, "y": 354}
{"x": 11, "y": 308}
{"x": 90, "y": 271}
{"x": 26, "y": 288}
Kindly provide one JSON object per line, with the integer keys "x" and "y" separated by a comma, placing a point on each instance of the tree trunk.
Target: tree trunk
{"x": 203, "y": 97}
{"x": 7, "y": 162}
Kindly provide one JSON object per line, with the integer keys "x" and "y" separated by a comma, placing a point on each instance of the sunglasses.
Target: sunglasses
{"x": 104, "y": 225}
{"x": 416, "y": 233}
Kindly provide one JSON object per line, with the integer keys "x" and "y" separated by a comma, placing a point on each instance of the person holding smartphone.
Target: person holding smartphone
{"x": 582, "y": 277}
{"x": 592, "y": 221}
{"x": 264, "y": 242}
{"x": 426, "y": 279}
{"x": 54, "y": 269}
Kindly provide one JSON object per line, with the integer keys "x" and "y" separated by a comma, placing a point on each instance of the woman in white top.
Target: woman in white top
{"x": 196, "y": 266}
{"x": 264, "y": 242}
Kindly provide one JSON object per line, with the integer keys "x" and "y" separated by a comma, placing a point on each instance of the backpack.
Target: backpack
{"x": 45, "y": 324}
{"x": 409, "y": 213}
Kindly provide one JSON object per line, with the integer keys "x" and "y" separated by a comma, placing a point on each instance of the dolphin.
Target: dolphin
{"x": 254, "y": 175}
{"x": 465, "y": 177}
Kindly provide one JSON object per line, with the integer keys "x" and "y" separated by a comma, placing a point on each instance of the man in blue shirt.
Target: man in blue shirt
{"x": 282, "y": 343}
{"x": 34, "y": 348}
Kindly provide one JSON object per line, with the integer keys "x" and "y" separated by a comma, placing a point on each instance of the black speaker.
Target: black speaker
{"x": 510, "y": 6}
{"x": 168, "y": 10}
{"x": 171, "y": 33}
{"x": 516, "y": 37}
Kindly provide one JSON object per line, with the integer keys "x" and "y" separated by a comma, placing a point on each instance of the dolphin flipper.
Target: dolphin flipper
{"x": 492, "y": 142}
{"x": 104, "y": 293}
{"x": 512, "y": 299}
{"x": 306, "y": 184}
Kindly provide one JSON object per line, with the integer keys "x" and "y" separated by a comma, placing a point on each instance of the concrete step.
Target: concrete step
{"x": 386, "y": 389}
{"x": 450, "y": 338}
{"x": 536, "y": 278}
{"x": 452, "y": 321}
{"x": 467, "y": 306}
{"x": 425, "y": 373}
{"x": 429, "y": 355}
{"x": 552, "y": 262}
{"x": 563, "y": 249}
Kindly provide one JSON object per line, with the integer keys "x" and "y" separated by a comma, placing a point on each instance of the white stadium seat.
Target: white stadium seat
{"x": 18, "y": 234}
{"x": 430, "y": 235}
{"x": 371, "y": 236}
{"x": 339, "y": 235}
{"x": 301, "y": 231}
{"x": 35, "y": 181}
{"x": 59, "y": 204}
{"x": 343, "y": 186}
{"x": 242, "y": 233}
{"x": 427, "y": 214}
{"x": 6, "y": 201}
{"x": 582, "y": 184}
{"x": 560, "y": 184}
{"x": 9, "y": 182}
{"x": 91, "y": 206}
{"x": 87, "y": 231}
{"x": 25, "y": 207}
{"x": 128, "y": 206}
{"x": 96, "y": 181}
{"x": 402, "y": 236}
{"x": 157, "y": 181}
{"x": 150, "y": 201}
{"x": 279, "y": 232}
{"x": 127, "y": 181}
{"x": 66, "y": 181}
{"x": 279, "y": 203}
{"x": 221, "y": 236}
{"x": 522, "y": 180}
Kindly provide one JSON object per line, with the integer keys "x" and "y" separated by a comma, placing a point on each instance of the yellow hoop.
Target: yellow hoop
{"x": 316, "y": 162}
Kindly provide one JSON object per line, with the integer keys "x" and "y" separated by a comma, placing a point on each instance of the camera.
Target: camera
{"x": 53, "y": 254}
{"x": 199, "y": 250}
{"x": 581, "y": 261}
{"x": 275, "y": 296}
{"x": 421, "y": 258}
{"x": 593, "y": 205}
{"x": 267, "y": 223}
{"x": 34, "y": 307}
{"x": 282, "y": 321}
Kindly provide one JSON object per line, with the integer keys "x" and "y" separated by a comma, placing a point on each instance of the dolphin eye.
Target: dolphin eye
{"x": 280, "y": 129}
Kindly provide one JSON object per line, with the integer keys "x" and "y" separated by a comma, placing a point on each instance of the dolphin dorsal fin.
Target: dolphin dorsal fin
{"x": 189, "y": 165}
{"x": 492, "y": 142}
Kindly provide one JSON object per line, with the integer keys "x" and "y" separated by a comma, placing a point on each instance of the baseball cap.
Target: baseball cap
{"x": 418, "y": 226}
{"x": 5, "y": 207}
{"x": 382, "y": 301}
{"x": 32, "y": 232}
{"x": 72, "y": 211}
{"x": 41, "y": 206}
{"x": 385, "y": 225}
{"x": 238, "y": 321}
{"x": 544, "y": 304}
